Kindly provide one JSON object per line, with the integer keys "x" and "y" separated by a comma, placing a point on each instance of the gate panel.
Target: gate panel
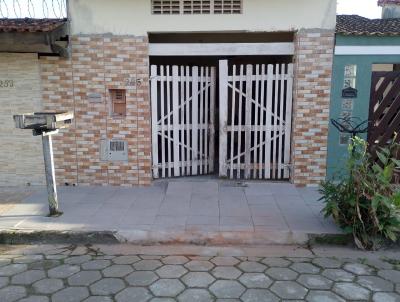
{"x": 255, "y": 120}
{"x": 182, "y": 100}
{"x": 384, "y": 112}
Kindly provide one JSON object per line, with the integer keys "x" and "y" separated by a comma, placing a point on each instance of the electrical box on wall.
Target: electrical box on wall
{"x": 113, "y": 150}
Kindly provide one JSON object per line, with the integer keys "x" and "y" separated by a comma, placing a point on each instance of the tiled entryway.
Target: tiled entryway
{"x": 181, "y": 210}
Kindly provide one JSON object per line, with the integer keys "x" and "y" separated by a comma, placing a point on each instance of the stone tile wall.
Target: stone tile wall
{"x": 100, "y": 63}
{"x": 97, "y": 64}
{"x": 313, "y": 72}
{"x": 21, "y": 158}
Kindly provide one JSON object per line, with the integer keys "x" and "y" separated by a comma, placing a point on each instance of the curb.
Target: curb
{"x": 171, "y": 237}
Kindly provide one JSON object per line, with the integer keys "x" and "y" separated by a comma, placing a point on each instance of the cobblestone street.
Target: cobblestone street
{"x": 69, "y": 274}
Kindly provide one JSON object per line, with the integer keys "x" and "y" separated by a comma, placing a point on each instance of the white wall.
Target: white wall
{"x": 133, "y": 17}
{"x": 21, "y": 159}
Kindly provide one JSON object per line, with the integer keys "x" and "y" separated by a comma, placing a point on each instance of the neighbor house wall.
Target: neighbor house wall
{"x": 21, "y": 158}
{"x": 127, "y": 17}
{"x": 337, "y": 153}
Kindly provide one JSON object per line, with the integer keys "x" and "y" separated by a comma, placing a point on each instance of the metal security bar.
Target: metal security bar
{"x": 36, "y": 9}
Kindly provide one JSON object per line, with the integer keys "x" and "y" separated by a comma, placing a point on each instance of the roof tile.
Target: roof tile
{"x": 30, "y": 25}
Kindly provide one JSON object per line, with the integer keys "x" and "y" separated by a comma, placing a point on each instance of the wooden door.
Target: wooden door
{"x": 255, "y": 120}
{"x": 384, "y": 112}
{"x": 183, "y": 112}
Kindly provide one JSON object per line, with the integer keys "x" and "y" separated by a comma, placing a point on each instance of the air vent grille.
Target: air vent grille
{"x": 227, "y": 6}
{"x": 195, "y": 7}
{"x": 166, "y": 7}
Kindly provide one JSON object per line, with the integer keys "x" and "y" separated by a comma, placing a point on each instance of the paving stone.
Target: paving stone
{"x": 98, "y": 299}
{"x": 48, "y": 286}
{"x": 305, "y": 268}
{"x": 126, "y": 259}
{"x": 56, "y": 257}
{"x": 358, "y": 269}
{"x": 12, "y": 269}
{"x": 315, "y": 282}
{"x": 195, "y": 295}
{"x": 289, "y": 290}
{"x": 12, "y": 293}
{"x": 252, "y": 267}
{"x": 44, "y": 264}
{"x": 147, "y": 265}
{"x": 28, "y": 259}
{"x": 351, "y": 291}
{"x": 375, "y": 283}
{"x": 323, "y": 296}
{"x": 284, "y": 274}
{"x": 227, "y": 289}
{"x": 150, "y": 257}
{"x": 225, "y": 261}
{"x": 199, "y": 265}
{"x": 117, "y": 270}
{"x": 35, "y": 299}
{"x": 259, "y": 295}
{"x": 327, "y": 262}
{"x": 171, "y": 271}
{"x": 299, "y": 259}
{"x": 4, "y": 281}
{"x": 28, "y": 277}
{"x": 71, "y": 294}
{"x": 84, "y": 278}
{"x": 158, "y": 299}
{"x": 107, "y": 286}
{"x": 255, "y": 280}
{"x": 4, "y": 261}
{"x": 175, "y": 260}
{"x": 167, "y": 287}
{"x": 78, "y": 259}
{"x": 226, "y": 272}
{"x": 390, "y": 275}
{"x": 338, "y": 275}
{"x": 96, "y": 264}
{"x": 141, "y": 278}
{"x": 198, "y": 279}
{"x": 386, "y": 297}
{"x": 63, "y": 271}
{"x": 137, "y": 294}
{"x": 276, "y": 262}
{"x": 379, "y": 264}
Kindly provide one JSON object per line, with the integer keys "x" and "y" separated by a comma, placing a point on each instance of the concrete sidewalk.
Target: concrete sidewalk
{"x": 201, "y": 211}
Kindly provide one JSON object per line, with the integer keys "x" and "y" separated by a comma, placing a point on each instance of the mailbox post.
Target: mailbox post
{"x": 46, "y": 124}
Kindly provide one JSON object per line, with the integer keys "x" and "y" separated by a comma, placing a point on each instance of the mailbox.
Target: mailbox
{"x": 42, "y": 122}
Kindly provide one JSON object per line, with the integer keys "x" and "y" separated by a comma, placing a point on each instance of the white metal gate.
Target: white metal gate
{"x": 183, "y": 116}
{"x": 255, "y": 113}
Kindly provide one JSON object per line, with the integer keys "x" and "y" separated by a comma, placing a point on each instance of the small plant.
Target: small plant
{"x": 365, "y": 202}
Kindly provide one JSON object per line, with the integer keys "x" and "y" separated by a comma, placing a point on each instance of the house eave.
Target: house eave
{"x": 53, "y": 42}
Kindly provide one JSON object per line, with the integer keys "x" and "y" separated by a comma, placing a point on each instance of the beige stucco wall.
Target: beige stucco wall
{"x": 21, "y": 159}
{"x": 133, "y": 17}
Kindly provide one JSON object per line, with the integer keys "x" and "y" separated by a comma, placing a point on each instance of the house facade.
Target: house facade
{"x": 367, "y": 58}
{"x": 170, "y": 88}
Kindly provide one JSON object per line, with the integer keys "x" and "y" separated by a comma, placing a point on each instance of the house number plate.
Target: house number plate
{"x": 6, "y": 83}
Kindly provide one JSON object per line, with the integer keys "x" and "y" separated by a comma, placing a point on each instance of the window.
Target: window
{"x": 192, "y": 7}
{"x": 118, "y": 102}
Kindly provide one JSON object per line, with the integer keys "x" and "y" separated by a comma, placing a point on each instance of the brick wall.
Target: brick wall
{"x": 21, "y": 158}
{"x": 314, "y": 59}
{"x": 97, "y": 64}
